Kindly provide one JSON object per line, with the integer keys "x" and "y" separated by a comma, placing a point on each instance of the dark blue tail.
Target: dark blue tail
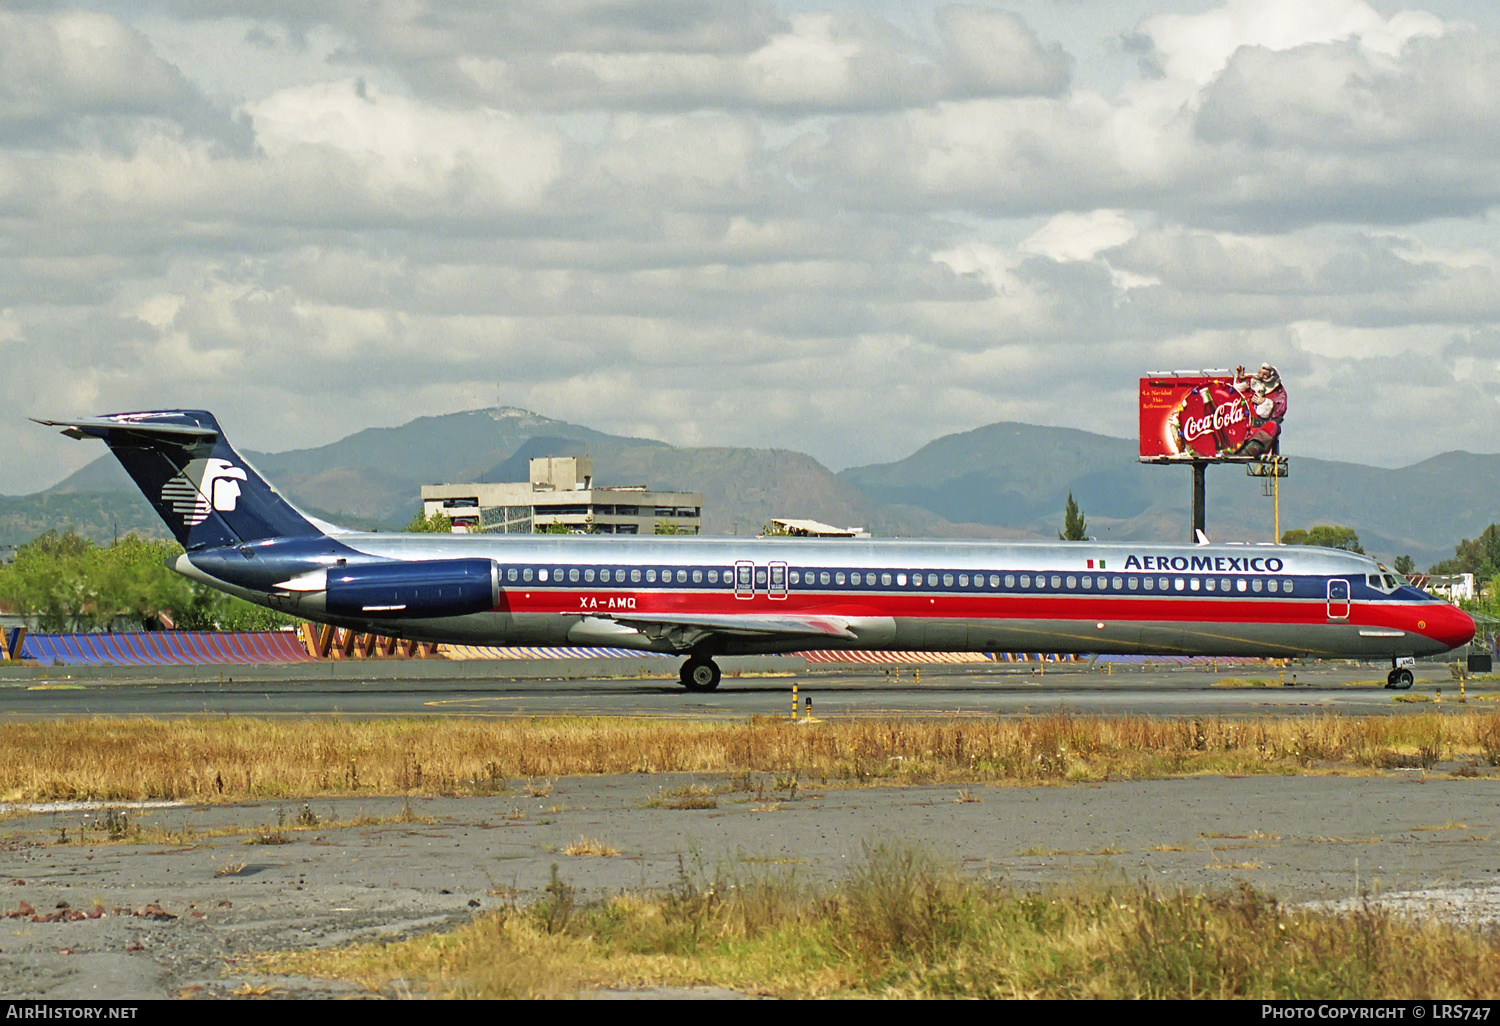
{"x": 205, "y": 492}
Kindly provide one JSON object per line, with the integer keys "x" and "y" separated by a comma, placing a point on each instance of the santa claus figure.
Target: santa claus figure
{"x": 1265, "y": 397}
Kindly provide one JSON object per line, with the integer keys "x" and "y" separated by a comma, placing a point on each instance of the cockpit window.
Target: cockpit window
{"x": 1391, "y": 583}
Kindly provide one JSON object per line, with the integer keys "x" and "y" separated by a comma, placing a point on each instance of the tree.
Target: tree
{"x": 435, "y": 524}
{"x": 1075, "y": 527}
{"x": 1405, "y": 566}
{"x": 667, "y": 527}
{"x": 552, "y": 529}
{"x": 1480, "y": 556}
{"x": 68, "y": 583}
{"x": 1328, "y": 536}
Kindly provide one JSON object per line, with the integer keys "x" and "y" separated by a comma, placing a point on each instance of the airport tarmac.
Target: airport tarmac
{"x": 750, "y": 687}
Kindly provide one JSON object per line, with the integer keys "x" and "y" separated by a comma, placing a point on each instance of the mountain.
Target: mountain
{"x": 1002, "y": 480}
{"x": 1018, "y": 476}
{"x": 373, "y": 479}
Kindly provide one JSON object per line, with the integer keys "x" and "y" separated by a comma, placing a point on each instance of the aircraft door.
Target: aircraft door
{"x": 744, "y": 579}
{"x": 1338, "y": 599}
{"x": 776, "y": 588}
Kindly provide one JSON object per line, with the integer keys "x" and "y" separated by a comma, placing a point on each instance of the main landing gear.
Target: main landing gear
{"x": 699, "y": 673}
{"x": 1400, "y": 679}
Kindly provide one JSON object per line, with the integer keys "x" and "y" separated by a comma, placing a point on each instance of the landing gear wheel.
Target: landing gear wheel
{"x": 699, "y": 674}
{"x": 1400, "y": 680}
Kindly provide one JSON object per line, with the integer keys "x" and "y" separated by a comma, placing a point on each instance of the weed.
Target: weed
{"x": 229, "y": 867}
{"x": 269, "y": 835}
{"x": 556, "y": 907}
{"x": 590, "y": 846}
{"x": 307, "y": 817}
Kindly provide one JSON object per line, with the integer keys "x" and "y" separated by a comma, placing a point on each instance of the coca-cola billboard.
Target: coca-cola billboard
{"x": 1190, "y": 418}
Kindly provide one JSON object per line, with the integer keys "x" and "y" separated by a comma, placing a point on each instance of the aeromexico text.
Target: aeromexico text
{"x": 1208, "y": 564}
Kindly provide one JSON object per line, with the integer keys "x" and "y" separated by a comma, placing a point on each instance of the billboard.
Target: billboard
{"x": 1211, "y": 416}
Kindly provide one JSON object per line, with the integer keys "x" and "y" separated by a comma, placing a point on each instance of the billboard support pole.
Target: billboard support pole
{"x": 1200, "y": 501}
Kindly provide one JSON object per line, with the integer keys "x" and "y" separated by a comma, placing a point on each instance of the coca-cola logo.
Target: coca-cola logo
{"x": 1219, "y": 419}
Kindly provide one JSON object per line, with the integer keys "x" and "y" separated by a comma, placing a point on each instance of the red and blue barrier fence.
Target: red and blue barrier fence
{"x": 163, "y": 648}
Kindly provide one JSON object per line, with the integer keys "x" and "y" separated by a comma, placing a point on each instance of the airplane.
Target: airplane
{"x": 708, "y": 597}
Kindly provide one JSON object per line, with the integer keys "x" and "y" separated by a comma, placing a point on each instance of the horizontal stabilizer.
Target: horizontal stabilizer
{"x": 101, "y": 427}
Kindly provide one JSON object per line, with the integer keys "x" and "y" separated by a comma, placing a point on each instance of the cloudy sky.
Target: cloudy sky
{"x": 841, "y": 227}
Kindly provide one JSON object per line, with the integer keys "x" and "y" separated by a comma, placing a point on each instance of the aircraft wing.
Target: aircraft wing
{"x": 686, "y": 630}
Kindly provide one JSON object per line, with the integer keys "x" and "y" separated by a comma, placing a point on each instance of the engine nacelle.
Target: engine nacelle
{"x": 415, "y": 590}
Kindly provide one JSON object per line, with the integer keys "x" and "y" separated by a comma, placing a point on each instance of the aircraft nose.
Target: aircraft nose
{"x": 1449, "y": 625}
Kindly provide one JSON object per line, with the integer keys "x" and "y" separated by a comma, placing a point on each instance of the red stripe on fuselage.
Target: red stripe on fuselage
{"x": 1194, "y": 609}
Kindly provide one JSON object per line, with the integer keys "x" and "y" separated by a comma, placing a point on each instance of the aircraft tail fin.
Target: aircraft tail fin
{"x": 207, "y": 494}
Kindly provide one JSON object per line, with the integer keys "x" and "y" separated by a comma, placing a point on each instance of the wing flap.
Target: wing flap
{"x": 752, "y": 624}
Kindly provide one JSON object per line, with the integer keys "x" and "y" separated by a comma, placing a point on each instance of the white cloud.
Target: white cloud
{"x": 1196, "y": 47}
{"x": 1071, "y": 236}
{"x": 80, "y": 62}
{"x": 400, "y": 148}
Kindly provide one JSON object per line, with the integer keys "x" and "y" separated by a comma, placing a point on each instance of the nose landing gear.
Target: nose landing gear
{"x": 699, "y": 673}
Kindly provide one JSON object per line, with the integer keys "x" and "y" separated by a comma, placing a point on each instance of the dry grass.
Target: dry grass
{"x": 590, "y": 846}
{"x": 903, "y": 924}
{"x": 208, "y": 760}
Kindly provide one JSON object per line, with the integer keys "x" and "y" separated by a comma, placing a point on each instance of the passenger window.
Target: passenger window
{"x": 825, "y": 578}
{"x": 1072, "y": 582}
{"x": 1179, "y": 584}
{"x": 1150, "y": 583}
{"x": 963, "y": 580}
{"x": 651, "y": 576}
{"x": 794, "y": 577}
{"x": 541, "y": 575}
{"x": 713, "y": 577}
{"x": 635, "y": 577}
{"x": 511, "y": 575}
{"x": 526, "y": 574}
{"x": 1239, "y": 585}
{"x": 838, "y": 579}
{"x": 932, "y": 580}
{"x": 573, "y": 575}
{"x": 947, "y": 580}
{"x": 1010, "y": 580}
{"x": 1286, "y": 586}
{"x": 995, "y": 581}
{"x": 760, "y": 575}
{"x": 1209, "y": 584}
{"x": 697, "y": 576}
{"x": 1132, "y": 583}
{"x": 682, "y": 577}
{"x": 901, "y": 579}
{"x": 1163, "y": 583}
{"x": 885, "y": 579}
{"x": 588, "y": 575}
{"x": 1193, "y": 584}
{"x": 1088, "y": 582}
{"x": 1271, "y": 585}
{"x": 1025, "y": 581}
{"x": 1223, "y": 584}
{"x": 854, "y": 578}
{"x": 1255, "y": 584}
